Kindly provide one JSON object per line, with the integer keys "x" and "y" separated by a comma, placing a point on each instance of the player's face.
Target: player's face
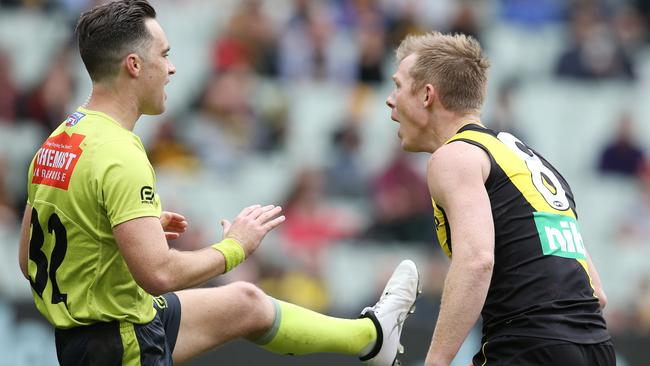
{"x": 406, "y": 107}
{"x": 156, "y": 70}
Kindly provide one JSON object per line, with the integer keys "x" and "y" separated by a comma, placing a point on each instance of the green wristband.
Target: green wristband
{"x": 232, "y": 251}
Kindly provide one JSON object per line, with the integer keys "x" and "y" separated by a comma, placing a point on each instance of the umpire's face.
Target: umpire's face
{"x": 156, "y": 70}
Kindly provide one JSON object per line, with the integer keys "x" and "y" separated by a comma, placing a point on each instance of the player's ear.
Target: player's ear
{"x": 429, "y": 94}
{"x": 133, "y": 64}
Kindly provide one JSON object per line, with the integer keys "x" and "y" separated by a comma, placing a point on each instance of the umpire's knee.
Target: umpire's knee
{"x": 256, "y": 307}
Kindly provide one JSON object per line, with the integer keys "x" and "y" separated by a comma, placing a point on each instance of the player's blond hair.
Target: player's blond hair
{"x": 454, "y": 64}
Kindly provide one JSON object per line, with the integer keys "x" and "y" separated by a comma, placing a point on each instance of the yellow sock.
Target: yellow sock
{"x": 298, "y": 331}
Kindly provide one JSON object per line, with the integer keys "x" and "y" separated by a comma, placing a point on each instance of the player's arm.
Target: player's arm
{"x": 23, "y": 250}
{"x": 159, "y": 269}
{"x": 595, "y": 282}
{"x": 456, "y": 177}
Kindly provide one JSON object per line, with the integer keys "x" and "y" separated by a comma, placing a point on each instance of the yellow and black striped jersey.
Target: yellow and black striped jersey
{"x": 540, "y": 284}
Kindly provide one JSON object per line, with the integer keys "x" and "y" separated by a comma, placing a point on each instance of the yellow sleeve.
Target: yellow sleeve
{"x": 127, "y": 181}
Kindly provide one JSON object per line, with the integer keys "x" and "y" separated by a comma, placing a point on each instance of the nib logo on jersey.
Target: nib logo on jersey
{"x": 147, "y": 195}
{"x": 56, "y": 159}
{"x": 559, "y": 235}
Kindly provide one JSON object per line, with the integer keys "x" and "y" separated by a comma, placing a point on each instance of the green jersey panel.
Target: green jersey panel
{"x": 90, "y": 175}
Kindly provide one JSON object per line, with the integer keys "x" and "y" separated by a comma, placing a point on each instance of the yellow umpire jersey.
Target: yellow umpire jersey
{"x": 90, "y": 175}
{"x": 540, "y": 284}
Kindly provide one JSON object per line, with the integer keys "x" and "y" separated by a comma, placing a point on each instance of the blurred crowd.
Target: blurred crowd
{"x": 244, "y": 110}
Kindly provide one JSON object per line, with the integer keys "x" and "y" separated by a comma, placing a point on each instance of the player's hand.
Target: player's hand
{"x": 251, "y": 225}
{"x": 173, "y": 224}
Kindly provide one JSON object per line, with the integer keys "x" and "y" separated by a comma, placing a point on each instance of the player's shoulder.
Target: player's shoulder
{"x": 94, "y": 122}
{"x": 121, "y": 151}
{"x": 457, "y": 155}
{"x": 93, "y": 128}
{"x": 457, "y": 164}
{"x": 102, "y": 145}
{"x": 120, "y": 145}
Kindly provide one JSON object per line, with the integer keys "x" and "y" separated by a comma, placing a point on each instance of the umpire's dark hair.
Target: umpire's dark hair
{"x": 109, "y": 32}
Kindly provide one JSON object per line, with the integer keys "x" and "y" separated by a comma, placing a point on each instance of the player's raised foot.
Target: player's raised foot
{"x": 389, "y": 313}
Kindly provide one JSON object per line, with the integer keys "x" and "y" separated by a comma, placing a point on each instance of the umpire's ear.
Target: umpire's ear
{"x": 133, "y": 64}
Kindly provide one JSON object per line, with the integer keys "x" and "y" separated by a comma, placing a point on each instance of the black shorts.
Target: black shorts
{"x": 116, "y": 343}
{"x": 529, "y": 351}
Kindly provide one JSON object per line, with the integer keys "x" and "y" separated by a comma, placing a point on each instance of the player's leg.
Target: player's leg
{"x": 213, "y": 316}
{"x": 210, "y": 317}
{"x": 298, "y": 331}
{"x": 352, "y": 337}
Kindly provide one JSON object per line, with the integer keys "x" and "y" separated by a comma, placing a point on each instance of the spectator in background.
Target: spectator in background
{"x": 371, "y": 35}
{"x": 294, "y": 285}
{"x": 630, "y": 29}
{"x": 250, "y": 38}
{"x": 596, "y": 53}
{"x": 30, "y": 4}
{"x": 312, "y": 223}
{"x": 633, "y": 318}
{"x": 168, "y": 152}
{"x": 532, "y": 13}
{"x": 642, "y": 7}
{"x": 641, "y": 306}
{"x": 8, "y": 214}
{"x": 8, "y": 90}
{"x": 401, "y": 205}
{"x": 311, "y": 48}
{"x": 634, "y": 227}
{"x": 503, "y": 117}
{"x": 346, "y": 176}
{"x": 221, "y": 131}
{"x": 623, "y": 155}
{"x": 368, "y": 20}
{"x": 49, "y": 102}
{"x": 352, "y": 13}
{"x": 403, "y": 21}
{"x": 235, "y": 116}
{"x": 272, "y": 110}
{"x": 465, "y": 20}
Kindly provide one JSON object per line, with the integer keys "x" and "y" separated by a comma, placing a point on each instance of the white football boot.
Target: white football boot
{"x": 396, "y": 303}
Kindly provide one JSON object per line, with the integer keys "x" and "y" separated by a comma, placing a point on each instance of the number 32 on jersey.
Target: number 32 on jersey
{"x": 45, "y": 271}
